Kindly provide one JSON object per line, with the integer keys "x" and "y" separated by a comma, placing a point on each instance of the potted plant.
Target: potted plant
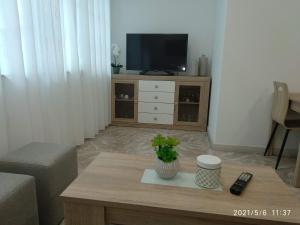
{"x": 166, "y": 163}
{"x": 116, "y": 53}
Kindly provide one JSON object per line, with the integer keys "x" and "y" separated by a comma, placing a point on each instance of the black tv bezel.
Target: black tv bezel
{"x": 155, "y": 70}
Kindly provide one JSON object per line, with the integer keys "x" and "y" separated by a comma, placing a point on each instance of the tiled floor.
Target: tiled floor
{"x": 137, "y": 141}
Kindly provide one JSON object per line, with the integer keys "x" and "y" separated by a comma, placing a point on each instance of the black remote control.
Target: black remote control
{"x": 241, "y": 183}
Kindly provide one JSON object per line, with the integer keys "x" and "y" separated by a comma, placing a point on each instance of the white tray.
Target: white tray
{"x": 180, "y": 180}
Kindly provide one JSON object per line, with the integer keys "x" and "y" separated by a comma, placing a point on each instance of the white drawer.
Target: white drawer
{"x": 152, "y": 85}
{"x": 155, "y": 118}
{"x": 162, "y": 97}
{"x": 145, "y": 107}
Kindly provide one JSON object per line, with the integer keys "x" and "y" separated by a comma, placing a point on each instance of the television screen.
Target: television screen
{"x": 157, "y": 52}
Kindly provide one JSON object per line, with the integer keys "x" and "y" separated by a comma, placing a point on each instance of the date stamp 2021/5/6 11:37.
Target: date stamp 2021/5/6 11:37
{"x": 262, "y": 212}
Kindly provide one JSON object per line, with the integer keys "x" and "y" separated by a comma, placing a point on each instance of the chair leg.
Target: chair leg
{"x": 282, "y": 148}
{"x": 271, "y": 138}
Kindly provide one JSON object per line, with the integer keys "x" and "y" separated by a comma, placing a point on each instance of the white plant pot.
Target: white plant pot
{"x": 166, "y": 170}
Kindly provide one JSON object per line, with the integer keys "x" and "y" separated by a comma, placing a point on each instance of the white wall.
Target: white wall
{"x": 3, "y": 122}
{"x": 195, "y": 17}
{"x": 251, "y": 42}
{"x": 217, "y": 63}
{"x": 261, "y": 45}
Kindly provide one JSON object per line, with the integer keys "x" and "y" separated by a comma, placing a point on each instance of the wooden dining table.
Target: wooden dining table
{"x": 295, "y": 105}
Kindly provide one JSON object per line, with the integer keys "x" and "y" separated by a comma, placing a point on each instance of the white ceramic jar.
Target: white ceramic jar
{"x": 208, "y": 171}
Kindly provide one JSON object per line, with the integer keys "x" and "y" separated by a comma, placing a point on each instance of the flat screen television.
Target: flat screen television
{"x": 156, "y": 52}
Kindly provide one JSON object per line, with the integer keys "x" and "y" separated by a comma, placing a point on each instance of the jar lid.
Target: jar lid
{"x": 209, "y": 162}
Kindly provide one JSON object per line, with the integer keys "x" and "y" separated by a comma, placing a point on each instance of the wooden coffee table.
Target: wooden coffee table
{"x": 109, "y": 191}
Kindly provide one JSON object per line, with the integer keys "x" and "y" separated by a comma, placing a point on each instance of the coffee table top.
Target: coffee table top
{"x": 113, "y": 180}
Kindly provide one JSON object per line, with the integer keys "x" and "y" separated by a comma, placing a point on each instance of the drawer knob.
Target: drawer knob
{"x": 156, "y": 86}
{"x": 155, "y": 118}
{"x": 156, "y": 97}
{"x": 155, "y": 108}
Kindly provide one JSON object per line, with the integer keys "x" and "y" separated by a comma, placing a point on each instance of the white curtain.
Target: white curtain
{"x": 55, "y": 55}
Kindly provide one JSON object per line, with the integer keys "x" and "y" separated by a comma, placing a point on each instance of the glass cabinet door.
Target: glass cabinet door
{"x": 188, "y": 103}
{"x": 124, "y": 104}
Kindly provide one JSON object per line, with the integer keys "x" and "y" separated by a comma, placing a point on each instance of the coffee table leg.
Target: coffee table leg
{"x": 297, "y": 171}
{"x": 82, "y": 214}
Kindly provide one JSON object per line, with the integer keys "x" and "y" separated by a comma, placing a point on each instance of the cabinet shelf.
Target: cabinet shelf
{"x": 189, "y": 103}
{"x": 124, "y": 108}
{"x": 188, "y": 111}
{"x": 124, "y": 100}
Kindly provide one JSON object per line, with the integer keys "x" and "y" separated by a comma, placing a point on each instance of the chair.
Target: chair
{"x": 282, "y": 115}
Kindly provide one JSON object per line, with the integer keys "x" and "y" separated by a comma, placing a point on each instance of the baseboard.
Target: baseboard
{"x": 236, "y": 148}
{"x": 249, "y": 149}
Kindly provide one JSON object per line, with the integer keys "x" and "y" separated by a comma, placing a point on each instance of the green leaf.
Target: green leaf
{"x": 165, "y": 147}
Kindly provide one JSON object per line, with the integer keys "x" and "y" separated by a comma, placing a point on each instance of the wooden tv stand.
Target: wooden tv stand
{"x": 171, "y": 102}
